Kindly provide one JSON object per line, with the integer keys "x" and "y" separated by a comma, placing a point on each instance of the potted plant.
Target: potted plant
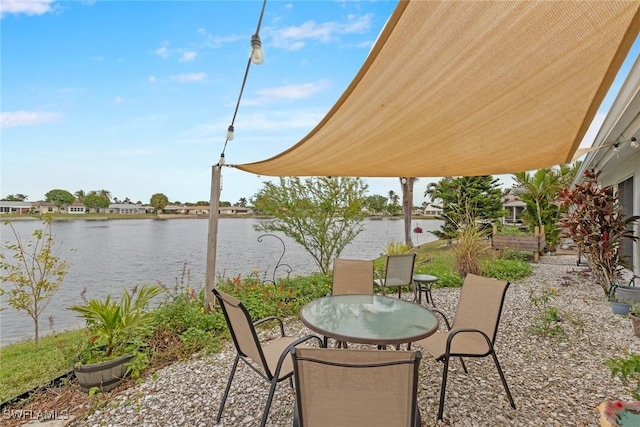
{"x": 596, "y": 225}
{"x": 116, "y": 332}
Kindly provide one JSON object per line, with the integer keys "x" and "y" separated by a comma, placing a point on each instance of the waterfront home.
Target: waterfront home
{"x": 615, "y": 154}
{"x": 15, "y": 207}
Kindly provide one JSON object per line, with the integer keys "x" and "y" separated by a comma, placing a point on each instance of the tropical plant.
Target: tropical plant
{"x": 322, "y": 214}
{"x": 540, "y": 196}
{"x": 471, "y": 246}
{"x": 597, "y": 227}
{"x": 116, "y": 328}
{"x": 35, "y": 270}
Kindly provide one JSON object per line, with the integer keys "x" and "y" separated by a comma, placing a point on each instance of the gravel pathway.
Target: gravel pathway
{"x": 556, "y": 380}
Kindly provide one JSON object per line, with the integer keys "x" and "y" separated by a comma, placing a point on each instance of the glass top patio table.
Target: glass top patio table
{"x": 369, "y": 319}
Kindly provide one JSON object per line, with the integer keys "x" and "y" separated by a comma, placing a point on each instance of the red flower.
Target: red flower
{"x": 417, "y": 230}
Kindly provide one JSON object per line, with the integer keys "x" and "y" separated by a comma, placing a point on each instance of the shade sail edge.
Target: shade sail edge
{"x": 508, "y": 142}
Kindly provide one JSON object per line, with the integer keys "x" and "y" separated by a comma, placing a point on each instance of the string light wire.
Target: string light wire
{"x": 231, "y": 128}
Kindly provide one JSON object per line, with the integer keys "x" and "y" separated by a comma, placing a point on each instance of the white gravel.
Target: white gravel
{"x": 555, "y": 380}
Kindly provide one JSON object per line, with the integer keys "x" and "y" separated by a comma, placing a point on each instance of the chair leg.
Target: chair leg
{"x": 464, "y": 367}
{"x": 272, "y": 390}
{"x": 226, "y": 391}
{"x": 504, "y": 381}
{"x": 443, "y": 386}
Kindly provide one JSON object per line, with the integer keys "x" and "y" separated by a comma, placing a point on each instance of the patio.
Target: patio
{"x": 556, "y": 381}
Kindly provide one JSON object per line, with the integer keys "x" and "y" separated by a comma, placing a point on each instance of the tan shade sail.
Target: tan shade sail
{"x": 469, "y": 88}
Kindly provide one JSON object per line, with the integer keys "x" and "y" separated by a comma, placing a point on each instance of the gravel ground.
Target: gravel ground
{"x": 556, "y": 380}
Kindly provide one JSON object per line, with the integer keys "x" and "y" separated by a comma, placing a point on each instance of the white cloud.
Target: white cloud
{"x": 294, "y": 91}
{"x": 118, "y": 100}
{"x": 26, "y": 118}
{"x": 188, "y": 56}
{"x": 152, "y": 79}
{"x": 293, "y": 38}
{"x": 28, "y": 7}
{"x": 217, "y": 41}
{"x": 190, "y": 78}
{"x": 163, "y": 50}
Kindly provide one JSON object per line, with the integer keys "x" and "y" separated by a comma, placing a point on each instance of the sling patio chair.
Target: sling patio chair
{"x": 398, "y": 272}
{"x": 354, "y": 388}
{"x": 351, "y": 277}
{"x": 272, "y": 361}
{"x": 473, "y": 331}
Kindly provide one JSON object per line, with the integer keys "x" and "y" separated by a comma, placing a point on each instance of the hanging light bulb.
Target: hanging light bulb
{"x": 257, "y": 56}
{"x": 230, "y": 133}
{"x": 634, "y": 142}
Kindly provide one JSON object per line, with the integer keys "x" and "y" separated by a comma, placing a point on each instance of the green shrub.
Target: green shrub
{"x": 182, "y": 327}
{"x": 506, "y": 269}
{"x": 547, "y": 319}
{"x": 283, "y": 299}
{"x": 627, "y": 368}
{"x": 515, "y": 255}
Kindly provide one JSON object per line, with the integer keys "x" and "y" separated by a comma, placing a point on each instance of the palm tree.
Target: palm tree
{"x": 407, "y": 206}
{"x": 541, "y": 192}
{"x": 80, "y": 195}
{"x": 105, "y": 193}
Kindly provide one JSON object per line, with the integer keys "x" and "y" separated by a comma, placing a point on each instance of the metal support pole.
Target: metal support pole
{"x": 214, "y": 214}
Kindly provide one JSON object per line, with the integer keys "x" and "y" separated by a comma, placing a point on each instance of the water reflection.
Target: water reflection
{"x": 365, "y": 318}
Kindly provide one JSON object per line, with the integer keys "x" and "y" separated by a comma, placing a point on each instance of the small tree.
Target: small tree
{"x": 59, "y": 197}
{"x": 95, "y": 201}
{"x": 597, "y": 227}
{"x": 480, "y": 193}
{"x": 321, "y": 214}
{"x": 34, "y": 269}
{"x": 159, "y": 201}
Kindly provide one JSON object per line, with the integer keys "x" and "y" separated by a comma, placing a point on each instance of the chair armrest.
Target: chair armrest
{"x": 444, "y": 316}
{"x": 269, "y": 318}
{"x": 455, "y": 332}
{"x": 287, "y": 351}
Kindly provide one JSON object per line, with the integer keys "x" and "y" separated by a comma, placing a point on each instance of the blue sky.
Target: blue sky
{"x": 135, "y": 97}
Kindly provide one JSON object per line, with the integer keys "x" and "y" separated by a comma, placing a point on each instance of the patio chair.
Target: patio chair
{"x": 271, "y": 361}
{"x": 352, "y": 276}
{"x": 473, "y": 331}
{"x": 398, "y": 272}
{"x": 355, "y": 388}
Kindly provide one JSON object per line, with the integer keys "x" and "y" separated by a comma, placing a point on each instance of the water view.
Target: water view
{"x": 108, "y": 256}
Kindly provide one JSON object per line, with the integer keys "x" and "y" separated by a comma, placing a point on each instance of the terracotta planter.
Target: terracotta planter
{"x": 635, "y": 321}
{"x": 104, "y": 375}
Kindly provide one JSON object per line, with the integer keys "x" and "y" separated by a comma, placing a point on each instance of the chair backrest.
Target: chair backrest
{"x": 480, "y": 304}
{"x": 399, "y": 270}
{"x": 241, "y": 328}
{"x": 352, "y": 276}
{"x": 339, "y": 387}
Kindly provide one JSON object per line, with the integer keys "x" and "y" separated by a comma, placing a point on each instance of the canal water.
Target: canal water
{"x": 109, "y": 256}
